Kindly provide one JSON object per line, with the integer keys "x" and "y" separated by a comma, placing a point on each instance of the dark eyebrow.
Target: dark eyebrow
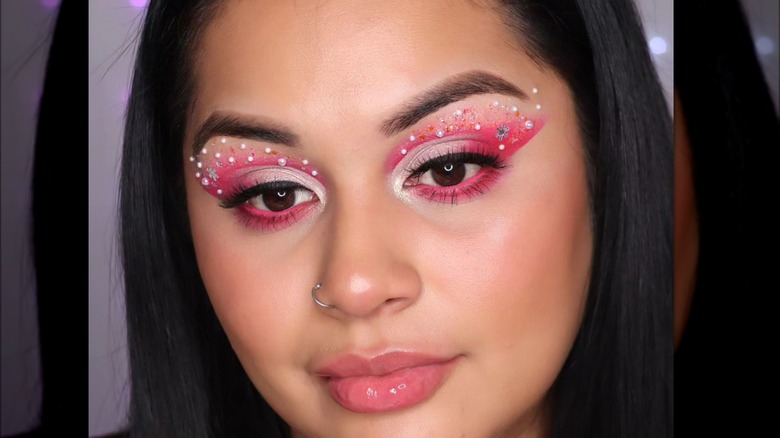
{"x": 450, "y": 90}
{"x": 233, "y": 125}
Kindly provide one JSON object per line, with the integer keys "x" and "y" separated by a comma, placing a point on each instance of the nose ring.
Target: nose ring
{"x": 314, "y": 290}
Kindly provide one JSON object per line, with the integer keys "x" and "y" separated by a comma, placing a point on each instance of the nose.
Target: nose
{"x": 368, "y": 265}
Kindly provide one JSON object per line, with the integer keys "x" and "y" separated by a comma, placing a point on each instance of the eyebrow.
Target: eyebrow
{"x": 452, "y": 89}
{"x": 234, "y": 125}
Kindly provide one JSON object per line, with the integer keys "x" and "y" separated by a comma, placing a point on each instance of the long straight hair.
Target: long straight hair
{"x": 186, "y": 379}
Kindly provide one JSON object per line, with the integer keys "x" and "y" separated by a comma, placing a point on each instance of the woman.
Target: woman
{"x": 397, "y": 219}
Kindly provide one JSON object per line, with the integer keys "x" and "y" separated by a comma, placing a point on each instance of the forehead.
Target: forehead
{"x": 292, "y": 58}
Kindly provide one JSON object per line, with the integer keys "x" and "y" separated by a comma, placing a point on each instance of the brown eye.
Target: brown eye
{"x": 448, "y": 174}
{"x": 276, "y": 200}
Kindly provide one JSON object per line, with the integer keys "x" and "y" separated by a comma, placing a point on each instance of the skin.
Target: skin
{"x": 498, "y": 281}
{"x": 686, "y": 224}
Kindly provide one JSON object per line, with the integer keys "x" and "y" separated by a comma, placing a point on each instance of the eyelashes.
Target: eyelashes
{"x": 449, "y": 176}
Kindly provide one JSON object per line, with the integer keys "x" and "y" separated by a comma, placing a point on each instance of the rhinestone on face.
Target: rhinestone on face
{"x": 529, "y": 124}
{"x": 502, "y": 132}
{"x": 205, "y": 181}
{"x": 440, "y": 133}
{"x": 282, "y": 162}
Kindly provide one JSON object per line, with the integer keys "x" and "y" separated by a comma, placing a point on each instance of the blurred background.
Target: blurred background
{"x": 113, "y": 24}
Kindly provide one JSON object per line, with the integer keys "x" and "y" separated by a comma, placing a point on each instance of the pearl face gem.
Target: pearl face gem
{"x": 204, "y": 151}
{"x": 440, "y": 133}
{"x": 243, "y": 146}
{"x": 538, "y": 106}
{"x": 403, "y": 151}
{"x": 535, "y": 90}
{"x": 219, "y": 191}
{"x": 477, "y": 127}
{"x": 250, "y": 158}
{"x": 197, "y": 174}
{"x": 495, "y": 103}
{"x": 231, "y": 160}
{"x": 529, "y": 124}
{"x": 282, "y": 162}
{"x": 217, "y": 155}
{"x": 223, "y": 140}
{"x": 305, "y": 162}
{"x": 192, "y": 159}
{"x": 205, "y": 181}
{"x": 501, "y": 147}
{"x": 412, "y": 138}
{"x": 267, "y": 150}
{"x": 200, "y": 165}
{"x": 313, "y": 173}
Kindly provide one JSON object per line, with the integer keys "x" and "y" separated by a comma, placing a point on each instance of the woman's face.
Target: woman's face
{"x": 411, "y": 158}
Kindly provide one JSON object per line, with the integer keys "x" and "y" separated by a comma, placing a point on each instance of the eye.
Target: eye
{"x": 282, "y": 198}
{"x": 451, "y": 169}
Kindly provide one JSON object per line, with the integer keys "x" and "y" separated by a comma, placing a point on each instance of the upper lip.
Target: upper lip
{"x": 353, "y": 365}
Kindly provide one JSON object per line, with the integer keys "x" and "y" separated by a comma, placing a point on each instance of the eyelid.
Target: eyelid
{"x": 267, "y": 174}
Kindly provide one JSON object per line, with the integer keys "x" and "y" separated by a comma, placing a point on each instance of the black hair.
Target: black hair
{"x": 733, "y": 131}
{"x": 186, "y": 380}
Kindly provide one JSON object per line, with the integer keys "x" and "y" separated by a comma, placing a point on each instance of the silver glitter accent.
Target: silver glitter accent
{"x": 212, "y": 173}
{"x": 403, "y": 151}
{"x": 502, "y": 132}
{"x": 529, "y": 124}
{"x": 282, "y": 162}
{"x": 412, "y": 138}
{"x": 440, "y": 133}
{"x": 205, "y": 181}
{"x": 535, "y": 90}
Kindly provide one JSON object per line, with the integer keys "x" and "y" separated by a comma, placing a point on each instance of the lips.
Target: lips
{"x": 385, "y": 383}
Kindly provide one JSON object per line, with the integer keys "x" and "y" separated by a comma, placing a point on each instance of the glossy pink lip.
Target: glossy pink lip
{"x": 385, "y": 383}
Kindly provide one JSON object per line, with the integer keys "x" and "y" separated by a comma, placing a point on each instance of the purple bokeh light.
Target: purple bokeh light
{"x": 139, "y": 3}
{"x": 50, "y": 4}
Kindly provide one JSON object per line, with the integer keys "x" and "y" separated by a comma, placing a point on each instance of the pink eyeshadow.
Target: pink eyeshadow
{"x": 220, "y": 164}
{"x": 502, "y": 126}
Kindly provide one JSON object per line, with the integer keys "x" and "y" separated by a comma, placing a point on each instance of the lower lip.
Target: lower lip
{"x": 391, "y": 392}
